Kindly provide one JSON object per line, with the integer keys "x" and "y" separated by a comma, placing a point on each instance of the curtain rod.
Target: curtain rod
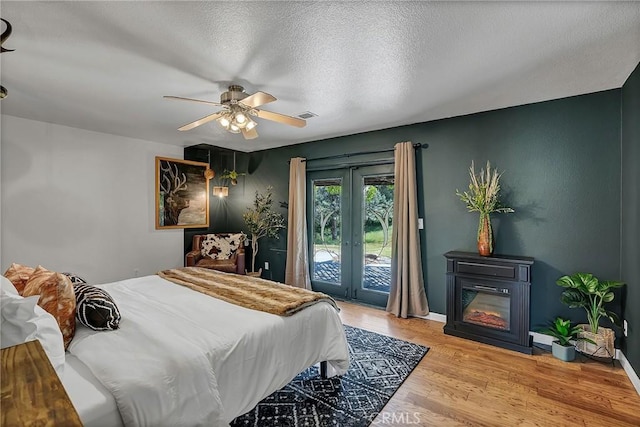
{"x": 361, "y": 153}
{"x": 356, "y": 165}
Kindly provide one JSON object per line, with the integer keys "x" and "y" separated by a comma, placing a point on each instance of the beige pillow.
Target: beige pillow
{"x": 56, "y": 297}
{"x": 19, "y": 274}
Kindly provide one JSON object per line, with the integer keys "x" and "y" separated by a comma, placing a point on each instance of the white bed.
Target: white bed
{"x": 93, "y": 402}
{"x": 151, "y": 372}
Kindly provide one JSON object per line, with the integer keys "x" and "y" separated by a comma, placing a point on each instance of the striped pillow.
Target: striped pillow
{"x": 75, "y": 278}
{"x": 95, "y": 308}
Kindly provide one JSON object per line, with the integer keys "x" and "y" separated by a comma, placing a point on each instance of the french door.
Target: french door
{"x": 350, "y": 214}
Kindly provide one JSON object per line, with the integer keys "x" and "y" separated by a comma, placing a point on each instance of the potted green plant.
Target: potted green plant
{"x": 563, "y": 347}
{"x": 587, "y": 291}
{"x": 232, "y": 175}
{"x": 483, "y": 197}
{"x": 262, "y": 221}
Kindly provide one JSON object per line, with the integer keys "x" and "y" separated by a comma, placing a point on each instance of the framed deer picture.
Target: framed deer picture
{"x": 182, "y": 194}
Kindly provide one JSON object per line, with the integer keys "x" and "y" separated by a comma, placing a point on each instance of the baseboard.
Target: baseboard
{"x": 631, "y": 373}
{"x": 539, "y": 338}
{"x": 442, "y": 318}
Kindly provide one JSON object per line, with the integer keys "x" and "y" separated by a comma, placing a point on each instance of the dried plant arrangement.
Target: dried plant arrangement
{"x": 483, "y": 197}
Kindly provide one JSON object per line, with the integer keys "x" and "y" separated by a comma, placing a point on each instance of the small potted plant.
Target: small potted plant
{"x": 262, "y": 221}
{"x": 483, "y": 197}
{"x": 587, "y": 291}
{"x": 563, "y": 347}
{"x": 231, "y": 175}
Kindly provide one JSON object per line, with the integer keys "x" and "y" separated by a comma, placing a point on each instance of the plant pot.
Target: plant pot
{"x": 485, "y": 241}
{"x": 565, "y": 353}
{"x": 604, "y": 340}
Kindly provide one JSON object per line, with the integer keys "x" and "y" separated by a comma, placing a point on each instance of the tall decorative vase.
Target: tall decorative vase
{"x": 485, "y": 238}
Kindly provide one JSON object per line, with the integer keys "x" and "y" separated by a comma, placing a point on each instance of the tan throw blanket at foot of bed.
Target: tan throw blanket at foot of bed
{"x": 245, "y": 291}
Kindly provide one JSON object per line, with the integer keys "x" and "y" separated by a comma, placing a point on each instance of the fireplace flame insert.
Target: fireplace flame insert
{"x": 488, "y": 299}
{"x": 486, "y": 306}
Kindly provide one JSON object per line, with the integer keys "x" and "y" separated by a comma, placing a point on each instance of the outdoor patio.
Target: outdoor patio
{"x": 377, "y": 277}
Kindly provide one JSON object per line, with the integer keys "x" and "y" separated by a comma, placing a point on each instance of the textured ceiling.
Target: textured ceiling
{"x": 360, "y": 66}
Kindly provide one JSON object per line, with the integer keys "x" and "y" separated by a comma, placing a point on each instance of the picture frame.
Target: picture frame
{"x": 182, "y": 194}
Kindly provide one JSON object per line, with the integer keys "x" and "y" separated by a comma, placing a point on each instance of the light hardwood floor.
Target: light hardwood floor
{"x": 462, "y": 382}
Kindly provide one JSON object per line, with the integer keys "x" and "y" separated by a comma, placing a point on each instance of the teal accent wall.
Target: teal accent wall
{"x": 630, "y": 231}
{"x": 226, "y": 214}
{"x": 561, "y": 163}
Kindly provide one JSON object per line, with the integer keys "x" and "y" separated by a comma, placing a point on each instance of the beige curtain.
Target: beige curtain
{"x": 297, "y": 267}
{"x": 407, "y": 296}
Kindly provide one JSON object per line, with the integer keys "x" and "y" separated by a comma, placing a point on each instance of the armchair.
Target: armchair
{"x": 222, "y": 251}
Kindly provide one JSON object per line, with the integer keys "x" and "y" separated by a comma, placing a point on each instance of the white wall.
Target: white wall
{"x": 82, "y": 201}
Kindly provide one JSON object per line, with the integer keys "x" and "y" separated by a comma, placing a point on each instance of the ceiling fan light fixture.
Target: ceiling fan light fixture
{"x": 238, "y": 110}
{"x": 238, "y": 124}
{"x": 224, "y": 122}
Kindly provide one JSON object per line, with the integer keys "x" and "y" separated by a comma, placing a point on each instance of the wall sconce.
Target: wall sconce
{"x": 221, "y": 192}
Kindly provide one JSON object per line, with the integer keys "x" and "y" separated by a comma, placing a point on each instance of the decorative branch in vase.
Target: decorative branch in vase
{"x": 262, "y": 221}
{"x": 483, "y": 197}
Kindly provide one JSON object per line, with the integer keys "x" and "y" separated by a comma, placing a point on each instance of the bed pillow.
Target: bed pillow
{"x": 56, "y": 297}
{"x": 95, "y": 308}
{"x": 7, "y": 286}
{"x": 23, "y": 320}
{"x": 19, "y": 274}
{"x": 75, "y": 278}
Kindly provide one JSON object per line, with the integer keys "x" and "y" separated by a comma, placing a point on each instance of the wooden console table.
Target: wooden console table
{"x": 31, "y": 392}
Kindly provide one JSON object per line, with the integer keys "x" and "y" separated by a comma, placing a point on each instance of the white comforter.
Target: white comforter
{"x": 181, "y": 358}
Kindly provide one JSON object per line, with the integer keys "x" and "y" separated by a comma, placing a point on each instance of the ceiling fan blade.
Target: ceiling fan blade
{"x": 179, "y": 98}
{"x": 249, "y": 134}
{"x": 257, "y": 99}
{"x": 205, "y": 119}
{"x": 281, "y": 118}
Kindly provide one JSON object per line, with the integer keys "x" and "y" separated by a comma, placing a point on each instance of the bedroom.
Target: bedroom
{"x": 80, "y": 198}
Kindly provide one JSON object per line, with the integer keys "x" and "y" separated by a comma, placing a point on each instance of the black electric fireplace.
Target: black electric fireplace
{"x": 488, "y": 299}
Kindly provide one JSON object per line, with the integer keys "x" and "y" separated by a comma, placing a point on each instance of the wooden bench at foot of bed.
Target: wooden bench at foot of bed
{"x": 32, "y": 394}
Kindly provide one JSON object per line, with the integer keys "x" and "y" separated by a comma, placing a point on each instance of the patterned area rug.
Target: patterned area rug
{"x": 379, "y": 365}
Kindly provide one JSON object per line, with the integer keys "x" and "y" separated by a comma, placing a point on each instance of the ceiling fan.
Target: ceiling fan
{"x": 237, "y": 109}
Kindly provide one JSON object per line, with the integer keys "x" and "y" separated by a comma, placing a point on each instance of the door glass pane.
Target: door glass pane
{"x": 376, "y": 229}
{"x": 327, "y": 230}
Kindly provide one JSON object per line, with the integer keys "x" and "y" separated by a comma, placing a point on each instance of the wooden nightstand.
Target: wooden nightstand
{"x": 31, "y": 392}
